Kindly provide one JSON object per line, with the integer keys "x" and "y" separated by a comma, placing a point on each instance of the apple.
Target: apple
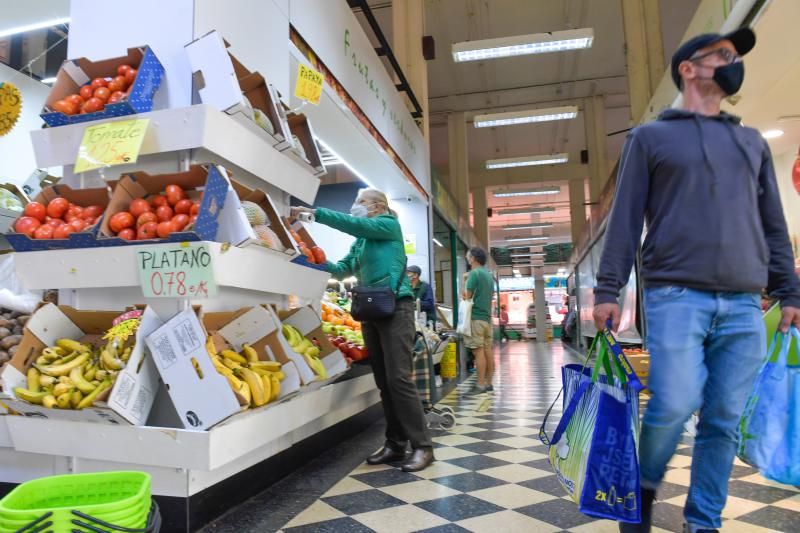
{"x": 327, "y": 327}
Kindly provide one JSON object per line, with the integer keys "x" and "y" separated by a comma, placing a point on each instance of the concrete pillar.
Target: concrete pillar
{"x": 408, "y": 22}
{"x": 644, "y": 52}
{"x": 594, "y": 120}
{"x": 480, "y": 207}
{"x": 577, "y": 209}
{"x": 541, "y": 304}
{"x": 458, "y": 175}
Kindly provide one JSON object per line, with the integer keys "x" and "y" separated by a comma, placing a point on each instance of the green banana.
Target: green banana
{"x": 83, "y": 385}
{"x": 88, "y": 400}
{"x": 31, "y": 397}
{"x": 65, "y": 368}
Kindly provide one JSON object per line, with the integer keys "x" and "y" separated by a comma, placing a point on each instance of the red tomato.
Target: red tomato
{"x": 116, "y": 96}
{"x": 36, "y": 210}
{"x": 69, "y": 217}
{"x": 123, "y": 69}
{"x": 138, "y": 206}
{"x": 65, "y": 106}
{"x": 44, "y": 232}
{"x": 93, "y": 105}
{"x": 183, "y": 207}
{"x": 164, "y": 213}
{"x": 165, "y": 228}
{"x": 195, "y": 208}
{"x": 57, "y": 207}
{"x": 93, "y": 211}
{"x": 192, "y": 219}
{"x": 89, "y": 221}
{"x": 147, "y": 231}
{"x": 75, "y": 211}
{"x": 174, "y": 194}
{"x": 130, "y": 76}
{"x": 180, "y": 221}
{"x": 55, "y": 222}
{"x": 26, "y": 225}
{"x": 99, "y": 82}
{"x": 63, "y": 231}
{"x": 102, "y": 93}
{"x": 120, "y": 221}
{"x": 79, "y": 224}
{"x": 128, "y": 234}
{"x": 117, "y": 84}
{"x": 86, "y": 92}
{"x": 75, "y": 99}
{"x": 146, "y": 218}
{"x": 158, "y": 201}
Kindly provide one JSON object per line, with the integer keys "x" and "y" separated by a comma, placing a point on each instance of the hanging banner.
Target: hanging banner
{"x": 181, "y": 270}
{"x": 111, "y": 143}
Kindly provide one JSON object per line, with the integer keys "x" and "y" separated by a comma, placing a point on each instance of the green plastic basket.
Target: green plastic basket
{"x": 102, "y": 495}
{"x": 133, "y": 517}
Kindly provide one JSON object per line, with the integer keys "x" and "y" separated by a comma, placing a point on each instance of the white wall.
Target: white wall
{"x": 413, "y": 218}
{"x": 17, "y": 161}
{"x": 789, "y": 196}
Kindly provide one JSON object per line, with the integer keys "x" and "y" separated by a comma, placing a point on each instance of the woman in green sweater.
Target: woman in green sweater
{"x": 377, "y": 258}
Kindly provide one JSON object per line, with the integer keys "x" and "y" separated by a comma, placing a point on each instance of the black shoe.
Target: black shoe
{"x": 686, "y": 529}
{"x": 420, "y": 459}
{"x": 388, "y": 454}
{"x": 648, "y": 497}
{"x": 490, "y": 388}
{"x": 476, "y": 390}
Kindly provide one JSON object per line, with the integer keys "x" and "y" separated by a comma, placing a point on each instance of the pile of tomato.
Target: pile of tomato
{"x": 155, "y": 217}
{"x": 314, "y": 254}
{"x": 94, "y": 96}
{"x": 57, "y": 219}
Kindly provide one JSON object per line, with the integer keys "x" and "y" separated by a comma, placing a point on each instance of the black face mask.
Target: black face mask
{"x": 729, "y": 77}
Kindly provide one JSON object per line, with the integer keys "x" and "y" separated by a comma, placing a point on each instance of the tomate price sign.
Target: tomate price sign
{"x": 182, "y": 270}
{"x": 111, "y": 143}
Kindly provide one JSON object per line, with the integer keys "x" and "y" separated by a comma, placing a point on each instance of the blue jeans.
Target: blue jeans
{"x": 705, "y": 351}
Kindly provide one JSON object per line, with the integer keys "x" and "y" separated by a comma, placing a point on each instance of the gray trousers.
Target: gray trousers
{"x": 391, "y": 343}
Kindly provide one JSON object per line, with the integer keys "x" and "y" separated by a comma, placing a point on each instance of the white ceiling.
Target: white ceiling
{"x": 21, "y": 13}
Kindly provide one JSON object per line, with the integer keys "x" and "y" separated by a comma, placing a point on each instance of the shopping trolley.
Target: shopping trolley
{"x": 436, "y": 417}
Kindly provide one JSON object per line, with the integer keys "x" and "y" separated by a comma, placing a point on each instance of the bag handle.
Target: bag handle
{"x": 620, "y": 363}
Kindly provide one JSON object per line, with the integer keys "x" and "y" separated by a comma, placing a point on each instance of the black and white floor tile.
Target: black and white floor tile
{"x": 492, "y": 473}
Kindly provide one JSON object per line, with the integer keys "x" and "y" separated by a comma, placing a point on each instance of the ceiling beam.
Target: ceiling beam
{"x": 523, "y": 175}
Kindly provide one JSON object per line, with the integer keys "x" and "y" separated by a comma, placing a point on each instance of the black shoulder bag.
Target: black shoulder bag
{"x": 375, "y": 303}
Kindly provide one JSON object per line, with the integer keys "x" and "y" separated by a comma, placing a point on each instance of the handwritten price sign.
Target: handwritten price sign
{"x": 309, "y": 84}
{"x": 182, "y": 270}
{"x": 111, "y": 143}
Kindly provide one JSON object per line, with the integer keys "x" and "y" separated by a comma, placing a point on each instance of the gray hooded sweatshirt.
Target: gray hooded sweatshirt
{"x": 706, "y": 187}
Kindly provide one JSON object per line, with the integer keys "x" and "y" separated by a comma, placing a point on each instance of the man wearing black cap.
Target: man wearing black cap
{"x": 716, "y": 235}
{"x": 422, "y": 291}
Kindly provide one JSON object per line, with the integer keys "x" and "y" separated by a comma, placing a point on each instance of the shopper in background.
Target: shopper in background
{"x": 479, "y": 287}
{"x": 503, "y": 323}
{"x": 377, "y": 258}
{"x": 716, "y": 235}
{"x": 422, "y": 292}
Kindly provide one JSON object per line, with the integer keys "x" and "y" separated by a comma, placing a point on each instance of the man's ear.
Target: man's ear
{"x": 687, "y": 70}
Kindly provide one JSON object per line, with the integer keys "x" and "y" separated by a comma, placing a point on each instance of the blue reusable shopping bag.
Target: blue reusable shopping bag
{"x": 594, "y": 448}
{"x": 770, "y": 425}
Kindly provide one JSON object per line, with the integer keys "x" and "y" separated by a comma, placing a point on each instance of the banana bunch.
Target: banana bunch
{"x": 71, "y": 374}
{"x": 302, "y": 346}
{"x": 254, "y": 382}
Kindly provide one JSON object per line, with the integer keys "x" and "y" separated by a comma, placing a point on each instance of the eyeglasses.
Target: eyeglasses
{"x": 724, "y": 54}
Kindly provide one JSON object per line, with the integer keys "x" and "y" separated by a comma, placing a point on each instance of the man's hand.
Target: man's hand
{"x": 295, "y": 212}
{"x": 602, "y": 313}
{"x": 789, "y": 316}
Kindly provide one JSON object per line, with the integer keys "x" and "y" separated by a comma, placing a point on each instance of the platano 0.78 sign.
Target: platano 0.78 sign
{"x": 181, "y": 270}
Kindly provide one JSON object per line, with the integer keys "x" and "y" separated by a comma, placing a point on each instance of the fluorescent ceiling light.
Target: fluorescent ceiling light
{"x": 771, "y": 134}
{"x": 534, "y": 160}
{"x": 34, "y": 26}
{"x": 537, "y": 43}
{"x": 515, "y": 271}
{"x": 437, "y": 243}
{"x": 525, "y": 117}
{"x": 328, "y": 149}
{"x": 521, "y": 239}
{"x": 528, "y": 255}
{"x": 529, "y": 226}
{"x": 48, "y": 81}
{"x": 541, "y": 191}
{"x": 525, "y": 211}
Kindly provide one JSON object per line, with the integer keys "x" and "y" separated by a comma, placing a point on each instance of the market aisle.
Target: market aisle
{"x": 491, "y": 474}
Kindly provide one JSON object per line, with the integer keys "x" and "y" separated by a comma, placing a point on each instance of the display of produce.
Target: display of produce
{"x": 301, "y": 345}
{"x": 11, "y": 324}
{"x": 10, "y": 201}
{"x": 56, "y": 219}
{"x": 254, "y": 382}
{"x": 96, "y": 94}
{"x": 343, "y": 332}
{"x": 313, "y": 253}
{"x": 156, "y": 216}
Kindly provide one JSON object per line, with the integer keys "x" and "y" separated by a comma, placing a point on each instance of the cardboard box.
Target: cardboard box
{"x": 201, "y": 396}
{"x": 75, "y": 73}
{"x": 309, "y": 324}
{"x": 307, "y": 153}
{"x": 641, "y": 365}
{"x": 222, "y": 81}
{"x": 235, "y": 228}
{"x": 133, "y": 393}
{"x": 209, "y": 180}
{"x": 305, "y": 236}
{"x": 84, "y": 239}
{"x": 257, "y": 327}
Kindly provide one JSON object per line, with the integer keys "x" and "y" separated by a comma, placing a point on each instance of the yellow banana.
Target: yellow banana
{"x": 246, "y": 393}
{"x": 63, "y": 400}
{"x": 230, "y": 363}
{"x": 126, "y": 354}
{"x": 270, "y": 366}
{"x": 110, "y": 362}
{"x": 34, "y": 383}
{"x": 221, "y": 368}
{"x": 250, "y": 353}
{"x": 89, "y": 372}
{"x": 88, "y": 400}
{"x": 47, "y": 381}
{"x": 75, "y": 398}
{"x": 49, "y": 401}
{"x": 275, "y": 389}
{"x": 80, "y": 381}
{"x": 233, "y": 356}
{"x": 66, "y": 368}
{"x": 31, "y": 397}
{"x": 253, "y": 381}
{"x": 210, "y": 348}
{"x": 313, "y": 351}
{"x": 280, "y": 375}
{"x": 70, "y": 345}
{"x": 292, "y": 335}
{"x": 65, "y": 359}
{"x": 61, "y": 389}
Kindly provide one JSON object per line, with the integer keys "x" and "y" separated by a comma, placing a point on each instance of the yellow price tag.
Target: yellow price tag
{"x": 111, "y": 143}
{"x": 309, "y": 84}
{"x": 10, "y": 106}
